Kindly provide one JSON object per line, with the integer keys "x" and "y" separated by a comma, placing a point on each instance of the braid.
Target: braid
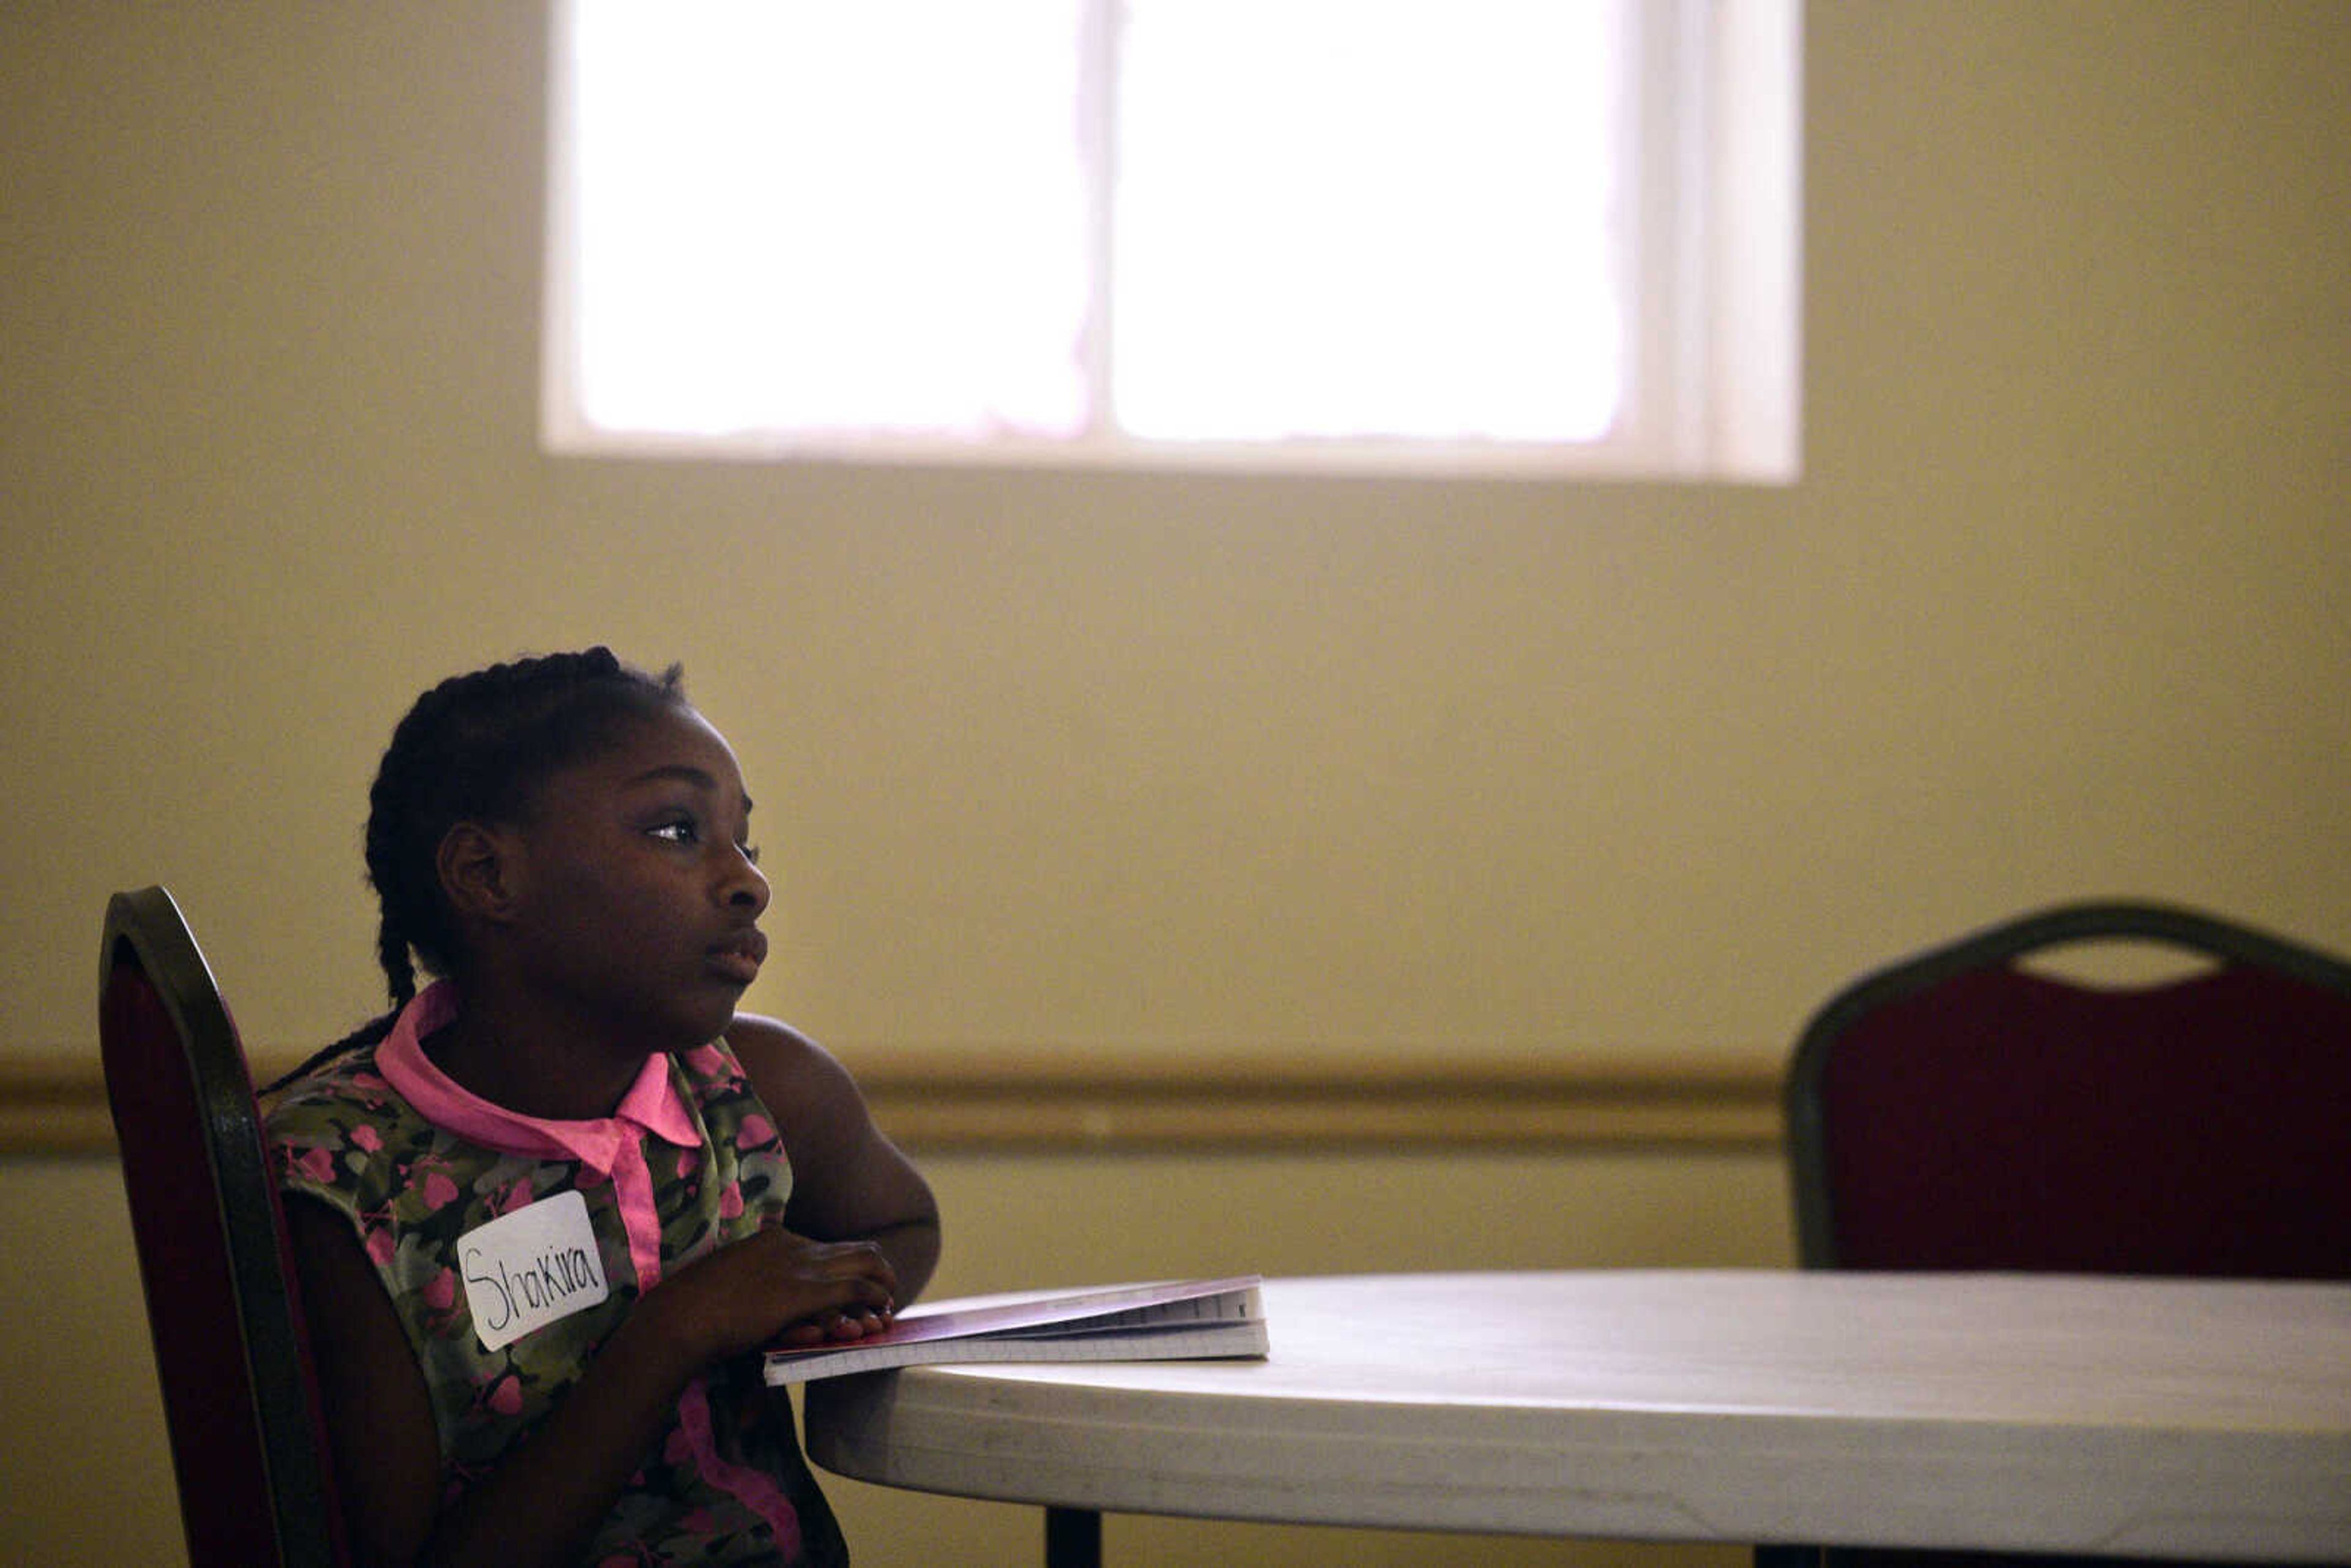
{"x": 475, "y": 748}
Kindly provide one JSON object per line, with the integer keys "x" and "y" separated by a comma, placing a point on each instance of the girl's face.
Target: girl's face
{"x": 638, "y": 894}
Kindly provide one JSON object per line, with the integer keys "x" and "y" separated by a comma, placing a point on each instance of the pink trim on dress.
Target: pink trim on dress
{"x": 613, "y": 1147}
{"x": 756, "y": 1489}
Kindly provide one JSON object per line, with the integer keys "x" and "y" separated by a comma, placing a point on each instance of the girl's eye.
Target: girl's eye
{"x": 679, "y": 833}
{"x": 750, "y": 852}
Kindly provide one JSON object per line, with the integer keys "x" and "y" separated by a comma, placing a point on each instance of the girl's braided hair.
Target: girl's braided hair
{"x": 476, "y": 749}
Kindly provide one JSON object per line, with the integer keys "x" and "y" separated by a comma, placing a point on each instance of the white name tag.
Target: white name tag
{"x": 526, "y": 1269}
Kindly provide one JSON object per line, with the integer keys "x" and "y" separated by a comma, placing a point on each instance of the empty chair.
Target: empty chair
{"x": 247, "y": 1445}
{"x": 1978, "y": 1107}
{"x": 1966, "y": 1109}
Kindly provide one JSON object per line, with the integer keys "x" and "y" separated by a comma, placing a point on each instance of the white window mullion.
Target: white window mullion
{"x": 1754, "y": 285}
{"x": 1098, "y": 49}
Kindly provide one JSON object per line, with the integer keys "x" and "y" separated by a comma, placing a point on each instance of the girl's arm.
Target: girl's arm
{"x": 544, "y": 1501}
{"x": 387, "y": 1456}
{"x": 848, "y": 1182}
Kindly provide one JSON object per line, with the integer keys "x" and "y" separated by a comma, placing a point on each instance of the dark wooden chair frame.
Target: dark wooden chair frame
{"x": 248, "y": 1447}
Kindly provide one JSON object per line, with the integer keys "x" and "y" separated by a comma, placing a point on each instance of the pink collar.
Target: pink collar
{"x": 652, "y": 1104}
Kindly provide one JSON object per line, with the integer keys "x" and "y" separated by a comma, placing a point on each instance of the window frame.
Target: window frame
{"x": 1712, "y": 278}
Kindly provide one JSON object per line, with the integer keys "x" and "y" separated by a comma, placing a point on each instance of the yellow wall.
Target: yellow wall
{"x": 1093, "y": 762}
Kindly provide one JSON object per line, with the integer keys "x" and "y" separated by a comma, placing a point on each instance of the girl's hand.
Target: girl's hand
{"x": 849, "y": 1324}
{"x": 543, "y": 1500}
{"x": 773, "y": 1287}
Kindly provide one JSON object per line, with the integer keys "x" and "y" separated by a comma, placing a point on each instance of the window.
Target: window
{"x": 1539, "y": 236}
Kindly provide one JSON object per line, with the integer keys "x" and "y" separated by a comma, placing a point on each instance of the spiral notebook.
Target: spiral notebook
{"x": 1178, "y": 1319}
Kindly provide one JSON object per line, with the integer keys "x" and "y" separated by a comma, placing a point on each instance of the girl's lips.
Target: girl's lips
{"x": 739, "y": 957}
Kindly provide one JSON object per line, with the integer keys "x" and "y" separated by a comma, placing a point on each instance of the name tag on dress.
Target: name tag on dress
{"x": 526, "y": 1269}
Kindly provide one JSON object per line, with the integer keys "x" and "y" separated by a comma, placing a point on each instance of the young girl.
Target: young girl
{"x": 543, "y": 1210}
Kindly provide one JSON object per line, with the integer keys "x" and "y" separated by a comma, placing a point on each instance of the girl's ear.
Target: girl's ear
{"x": 479, "y": 869}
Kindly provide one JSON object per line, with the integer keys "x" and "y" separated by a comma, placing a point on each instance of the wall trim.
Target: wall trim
{"x": 1013, "y": 1101}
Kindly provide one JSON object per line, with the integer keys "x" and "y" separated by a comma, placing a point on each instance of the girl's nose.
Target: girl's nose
{"x": 745, "y": 886}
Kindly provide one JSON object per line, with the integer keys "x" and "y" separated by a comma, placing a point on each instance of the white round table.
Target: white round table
{"x": 2132, "y": 1417}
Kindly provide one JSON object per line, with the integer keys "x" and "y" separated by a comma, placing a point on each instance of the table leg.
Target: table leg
{"x": 1072, "y": 1538}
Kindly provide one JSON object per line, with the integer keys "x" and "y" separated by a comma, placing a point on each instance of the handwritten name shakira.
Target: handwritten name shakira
{"x": 530, "y": 1267}
{"x": 547, "y": 1281}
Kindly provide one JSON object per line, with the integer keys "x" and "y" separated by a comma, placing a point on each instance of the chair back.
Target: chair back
{"x": 1960, "y": 1110}
{"x": 247, "y": 1443}
{"x": 1968, "y": 1109}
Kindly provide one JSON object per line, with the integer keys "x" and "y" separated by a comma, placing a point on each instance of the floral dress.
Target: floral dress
{"x": 689, "y": 1161}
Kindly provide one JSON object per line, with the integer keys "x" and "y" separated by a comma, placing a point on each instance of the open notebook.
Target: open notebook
{"x": 1184, "y": 1320}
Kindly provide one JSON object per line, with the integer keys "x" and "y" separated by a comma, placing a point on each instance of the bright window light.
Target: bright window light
{"x": 1548, "y": 235}
{"x": 1398, "y": 221}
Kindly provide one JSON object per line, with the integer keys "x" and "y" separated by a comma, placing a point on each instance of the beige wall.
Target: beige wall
{"x": 1095, "y": 760}
{"x": 1108, "y": 760}
{"x": 1092, "y": 763}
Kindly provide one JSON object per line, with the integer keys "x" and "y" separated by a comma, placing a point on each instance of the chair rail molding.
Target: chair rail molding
{"x": 1016, "y": 1100}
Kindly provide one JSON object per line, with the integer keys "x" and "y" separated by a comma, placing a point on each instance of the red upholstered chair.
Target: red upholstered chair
{"x": 1969, "y": 1108}
{"x": 1960, "y": 1110}
{"x": 257, "y": 1488}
